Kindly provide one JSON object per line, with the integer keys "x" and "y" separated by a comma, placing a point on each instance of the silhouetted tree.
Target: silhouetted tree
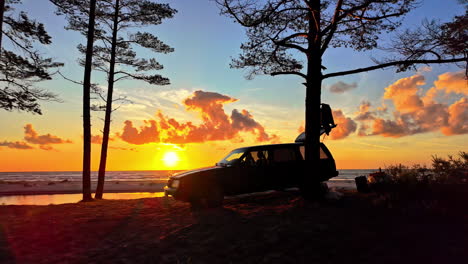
{"x": 21, "y": 65}
{"x": 84, "y": 13}
{"x": 279, "y": 31}
{"x": 115, "y": 20}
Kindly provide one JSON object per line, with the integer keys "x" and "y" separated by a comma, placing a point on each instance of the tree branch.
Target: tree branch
{"x": 333, "y": 27}
{"x": 391, "y": 64}
{"x": 289, "y": 73}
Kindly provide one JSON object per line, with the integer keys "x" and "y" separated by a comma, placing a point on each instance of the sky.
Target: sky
{"x": 383, "y": 117}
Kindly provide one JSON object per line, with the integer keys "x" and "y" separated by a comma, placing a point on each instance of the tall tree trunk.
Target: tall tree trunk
{"x": 313, "y": 94}
{"x": 86, "y": 106}
{"x": 2, "y": 12}
{"x": 107, "y": 119}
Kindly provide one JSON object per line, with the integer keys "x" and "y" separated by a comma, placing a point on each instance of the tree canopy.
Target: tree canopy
{"x": 22, "y": 66}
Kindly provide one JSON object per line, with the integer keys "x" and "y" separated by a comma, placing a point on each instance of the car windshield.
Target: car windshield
{"x": 232, "y": 157}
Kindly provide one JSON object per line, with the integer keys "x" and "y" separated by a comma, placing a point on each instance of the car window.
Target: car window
{"x": 284, "y": 155}
{"x": 232, "y": 157}
{"x": 260, "y": 157}
{"x": 323, "y": 155}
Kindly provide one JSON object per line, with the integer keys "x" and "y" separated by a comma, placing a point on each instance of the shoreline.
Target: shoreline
{"x": 71, "y": 187}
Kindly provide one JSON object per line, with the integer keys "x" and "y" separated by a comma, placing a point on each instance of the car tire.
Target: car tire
{"x": 314, "y": 191}
{"x": 213, "y": 199}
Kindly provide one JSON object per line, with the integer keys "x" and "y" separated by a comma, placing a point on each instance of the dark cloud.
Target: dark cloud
{"x": 341, "y": 87}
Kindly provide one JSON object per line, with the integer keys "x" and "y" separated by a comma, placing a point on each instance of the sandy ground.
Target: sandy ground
{"x": 277, "y": 227}
{"x": 44, "y": 187}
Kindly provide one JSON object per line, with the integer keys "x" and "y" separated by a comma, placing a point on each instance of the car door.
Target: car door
{"x": 284, "y": 167}
{"x": 326, "y": 169}
{"x": 252, "y": 171}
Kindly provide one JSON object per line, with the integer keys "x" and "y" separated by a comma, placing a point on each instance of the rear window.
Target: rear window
{"x": 323, "y": 155}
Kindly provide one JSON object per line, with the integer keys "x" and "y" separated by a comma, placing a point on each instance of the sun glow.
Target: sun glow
{"x": 170, "y": 159}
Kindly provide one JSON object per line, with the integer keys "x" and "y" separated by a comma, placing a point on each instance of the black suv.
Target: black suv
{"x": 247, "y": 170}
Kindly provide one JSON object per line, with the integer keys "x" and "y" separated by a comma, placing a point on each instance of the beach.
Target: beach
{"x": 278, "y": 227}
{"x": 26, "y": 184}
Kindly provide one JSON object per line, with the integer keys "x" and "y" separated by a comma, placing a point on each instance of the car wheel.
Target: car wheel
{"x": 314, "y": 191}
{"x": 212, "y": 199}
{"x": 215, "y": 198}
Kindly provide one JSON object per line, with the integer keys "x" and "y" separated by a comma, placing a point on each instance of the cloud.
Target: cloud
{"x": 44, "y": 141}
{"x": 417, "y": 112}
{"x": 15, "y": 145}
{"x": 97, "y": 139}
{"x": 341, "y": 87}
{"x": 458, "y": 118}
{"x": 364, "y": 112}
{"x": 146, "y": 134}
{"x": 215, "y": 125}
{"x": 452, "y": 82}
{"x": 404, "y": 93}
{"x": 345, "y": 127}
{"x": 448, "y": 83}
{"x": 31, "y": 136}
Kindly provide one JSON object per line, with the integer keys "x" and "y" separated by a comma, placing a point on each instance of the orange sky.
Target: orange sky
{"x": 384, "y": 117}
{"x": 407, "y": 126}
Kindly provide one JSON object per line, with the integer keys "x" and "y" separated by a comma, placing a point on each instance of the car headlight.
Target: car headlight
{"x": 175, "y": 184}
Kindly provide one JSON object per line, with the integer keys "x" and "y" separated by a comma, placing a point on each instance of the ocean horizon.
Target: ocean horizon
{"x": 140, "y": 175}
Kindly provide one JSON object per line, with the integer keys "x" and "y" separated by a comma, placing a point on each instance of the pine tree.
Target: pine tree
{"x": 280, "y": 31}
{"x": 21, "y": 64}
{"x": 117, "y": 22}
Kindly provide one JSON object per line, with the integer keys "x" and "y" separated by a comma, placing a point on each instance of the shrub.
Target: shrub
{"x": 449, "y": 170}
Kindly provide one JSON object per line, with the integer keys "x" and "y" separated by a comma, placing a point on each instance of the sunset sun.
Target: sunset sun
{"x": 170, "y": 159}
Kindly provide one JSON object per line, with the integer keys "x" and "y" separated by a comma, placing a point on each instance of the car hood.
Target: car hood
{"x": 191, "y": 172}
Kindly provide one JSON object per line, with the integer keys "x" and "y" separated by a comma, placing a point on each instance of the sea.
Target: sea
{"x": 150, "y": 175}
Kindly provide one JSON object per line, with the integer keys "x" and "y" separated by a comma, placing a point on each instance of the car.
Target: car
{"x": 248, "y": 170}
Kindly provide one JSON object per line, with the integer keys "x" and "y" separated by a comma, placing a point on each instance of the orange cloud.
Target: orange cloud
{"x": 364, "y": 112}
{"x": 415, "y": 113}
{"x": 452, "y": 82}
{"x": 31, "y": 136}
{"x": 15, "y": 145}
{"x": 458, "y": 118}
{"x": 345, "y": 127}
{"x": 404, "y": 93}
{"x": 449, "y": 82}
{"x": 97, "y": 139}
{"x": 147, "y": 134}
{"x": 216, "y": 124}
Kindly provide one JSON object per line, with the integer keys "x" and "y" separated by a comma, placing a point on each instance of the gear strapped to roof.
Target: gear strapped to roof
{"x": 326, "y": 122}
